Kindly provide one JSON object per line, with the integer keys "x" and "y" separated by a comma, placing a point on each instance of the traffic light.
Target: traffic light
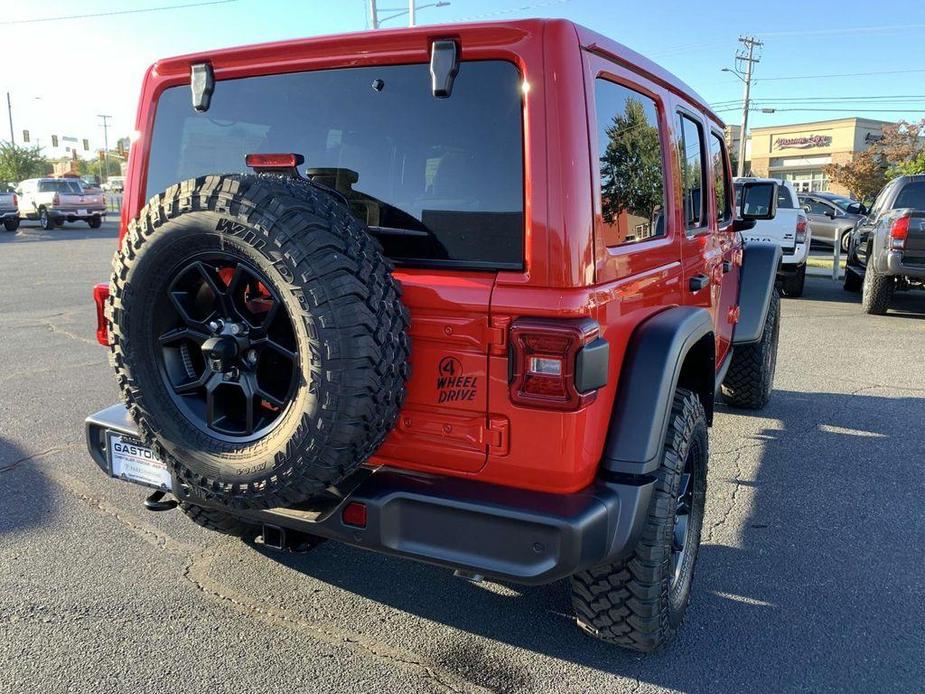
{"x": 54, "y": 140}
{"x": 25, "y": 136}
{"x": 86, "y": 145}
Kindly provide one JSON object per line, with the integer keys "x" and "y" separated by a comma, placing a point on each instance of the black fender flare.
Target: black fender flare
{"x": 760, "y": 261}
{"x": 652, "y": 369}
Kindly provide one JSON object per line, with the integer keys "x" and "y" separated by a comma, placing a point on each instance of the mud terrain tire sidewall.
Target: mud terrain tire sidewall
{"x": 345, "y": 308}
{"x": 876, "y": 291}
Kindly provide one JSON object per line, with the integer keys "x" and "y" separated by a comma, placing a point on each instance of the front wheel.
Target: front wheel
{"x": 45, "y": 221}
{"x": 750, "y": 378}
{"x": 11, "y": 224}
{"x": 639, "y": 602}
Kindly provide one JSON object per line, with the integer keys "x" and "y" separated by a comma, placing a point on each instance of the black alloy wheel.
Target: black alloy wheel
{"x": 227, "y": 349}
{"x": 681, "y": 532}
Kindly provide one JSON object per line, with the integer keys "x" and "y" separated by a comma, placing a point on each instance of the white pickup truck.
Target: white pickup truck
{"x": 789, "y": 229}
{"x": 54, "y": 201}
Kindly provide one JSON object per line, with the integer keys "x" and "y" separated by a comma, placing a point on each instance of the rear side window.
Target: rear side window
{"x": 690, "y": 150}
{"x": 630, "y": 158}
{"x": 438, "y": 181}
{"x": 720, "y": 178}
{"x": 784, "y": 198}
{"x": 912, "y": 195}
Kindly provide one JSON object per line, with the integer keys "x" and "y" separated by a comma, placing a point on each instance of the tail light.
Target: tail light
{"x": 354, "y": 514}
{"x": 557, "y": 365}
{"x": 100, "y": 297}
{"x": 15, "y": 201}
{"x": 56, "y": 200}
{"x": 899, "y": 232}
{"x": 801, "y": 229}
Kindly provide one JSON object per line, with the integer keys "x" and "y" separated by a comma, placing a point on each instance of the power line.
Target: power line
{"x": 112, "y": 13}
{"x": 836, "y": 110}
{"x": 842, "y": 74}
{"x": 885, "y": 29}
{"x": 747, "y": 57}
{"x": 908, "y": 98}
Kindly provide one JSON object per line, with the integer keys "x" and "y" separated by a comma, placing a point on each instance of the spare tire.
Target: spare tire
{"x": 258, "y": 337}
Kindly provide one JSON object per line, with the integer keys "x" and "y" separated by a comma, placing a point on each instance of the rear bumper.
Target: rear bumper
{"x": 511, "y": 534}
{"x": 71, "y": 215}
{"x": 896, "y": 265}
{"x": 9, "y": 214}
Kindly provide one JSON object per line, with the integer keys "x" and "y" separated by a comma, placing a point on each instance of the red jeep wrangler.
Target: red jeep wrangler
{"x": 470, "y": 305}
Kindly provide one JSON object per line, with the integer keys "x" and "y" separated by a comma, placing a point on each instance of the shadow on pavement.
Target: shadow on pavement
{"x": 25, "y": 494}
{"x": 69, "y": 232}
{"x": 821, "y": 591}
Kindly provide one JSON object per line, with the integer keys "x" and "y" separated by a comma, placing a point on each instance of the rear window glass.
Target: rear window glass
{"x": 438, "y": 181}
{"x": 912, "y": 195}
{"x": 58, "y": 187}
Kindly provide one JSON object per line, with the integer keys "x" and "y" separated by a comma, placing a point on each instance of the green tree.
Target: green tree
{"x": 631, "y": 166}
{"x": 18, "y": 163}
{"x": 94, "y": 167}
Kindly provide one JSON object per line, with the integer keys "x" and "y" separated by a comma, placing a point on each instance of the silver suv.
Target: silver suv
{"x": 831, "y": 216}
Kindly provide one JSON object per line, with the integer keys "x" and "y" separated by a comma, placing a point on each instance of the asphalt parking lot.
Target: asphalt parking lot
{"x": 810, "y": 577}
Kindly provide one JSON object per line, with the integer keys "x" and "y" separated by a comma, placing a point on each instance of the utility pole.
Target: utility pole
{"x": 105, "y": 176}
{"x": 374, "y": 14}
{"x": 747, "y": 56}
{"x": 9, "y": 110}
{"x": 411, "y": 9}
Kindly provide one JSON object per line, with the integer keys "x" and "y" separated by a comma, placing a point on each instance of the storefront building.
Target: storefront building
{"x": 799, "y": 153}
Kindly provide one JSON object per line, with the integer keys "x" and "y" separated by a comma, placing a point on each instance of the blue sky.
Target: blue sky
{"x": 45, "y": 62}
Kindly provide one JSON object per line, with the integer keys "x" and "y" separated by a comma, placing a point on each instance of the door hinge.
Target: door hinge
{"x": 495, "y": 435}
{"x": 498, "y": 330}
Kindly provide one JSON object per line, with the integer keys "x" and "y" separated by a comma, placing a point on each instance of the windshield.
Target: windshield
{"x": 439, "y": 181}
{"x": 59, "y": 186}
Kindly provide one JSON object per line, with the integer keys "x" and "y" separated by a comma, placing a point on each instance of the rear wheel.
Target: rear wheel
{"x": 877, "y": 291}
{"x": 853, "y": 281}
{"x": 792, "y": 285}
{"x": 11, "y": 224}
{"x": 95, "y": 222}
{"x": 45, "y": 220}
{"x": 845, "y": 240}
{"x": 639, "y": 602}
{"x": 750, "y": 378}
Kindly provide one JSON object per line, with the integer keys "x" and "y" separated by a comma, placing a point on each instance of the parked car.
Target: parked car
{"x": 831, "y": 216}
{"x": 575, "y": 303}
{"x": 887, "y": 250}
{"x": 9, "y": 208}
{"x": 54, "y": 201}
{"x": 789, "y": 230}
{"x": 115, "y": 184}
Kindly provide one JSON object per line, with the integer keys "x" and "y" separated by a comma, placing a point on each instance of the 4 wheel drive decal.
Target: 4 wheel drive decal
{"x": 452, "y": 384}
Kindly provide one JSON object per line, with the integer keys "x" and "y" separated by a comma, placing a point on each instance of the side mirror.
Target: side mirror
{"x": 759, "y": 200}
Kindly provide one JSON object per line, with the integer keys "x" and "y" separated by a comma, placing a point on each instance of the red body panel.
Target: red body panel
{"x": 460, "y": 319}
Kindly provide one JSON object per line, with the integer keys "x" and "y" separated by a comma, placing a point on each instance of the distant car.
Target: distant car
{"x": 54, "y": 201}
{"x": 789, "y": 230}
{"x": 9, "y": 208}
{"x": 831, "y": 216}
{"x": 90, "y": 187}
{"x": 115, "y": 184}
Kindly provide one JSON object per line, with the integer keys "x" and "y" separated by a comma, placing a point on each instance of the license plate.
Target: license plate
{"x": 82, "y": 213}
{"x": 132, "y": 461}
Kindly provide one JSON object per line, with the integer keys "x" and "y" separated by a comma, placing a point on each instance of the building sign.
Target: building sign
{"x": 805, "y": 142}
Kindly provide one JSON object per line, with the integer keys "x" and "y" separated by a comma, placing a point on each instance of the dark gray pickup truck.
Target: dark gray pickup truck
{"x": 9, "y": 210}
{"x": 887, "y": 249}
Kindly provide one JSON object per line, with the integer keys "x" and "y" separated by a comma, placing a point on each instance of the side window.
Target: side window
{"x": 720, "y": 179}
{"x": 784, "y": 198}
{"x": 818, "y": 207}
{"x": 630, "y": 161}
{"x": 912, "y": 195}
{"x": 690, "y": 149}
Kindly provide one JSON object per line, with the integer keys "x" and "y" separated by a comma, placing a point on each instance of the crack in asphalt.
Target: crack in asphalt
{"x": 35, "y": 456}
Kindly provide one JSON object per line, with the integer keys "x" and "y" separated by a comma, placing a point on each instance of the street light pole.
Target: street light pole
{"x": 374, "y": 14}
{"x": 105, "y": 147}
{"x": 411, "y": 9}
{"x": 9, "y": 110}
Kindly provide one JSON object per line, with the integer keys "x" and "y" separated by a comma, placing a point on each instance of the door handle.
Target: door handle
{"x": 698, "y": 282}
{"x": 727, "y": 266}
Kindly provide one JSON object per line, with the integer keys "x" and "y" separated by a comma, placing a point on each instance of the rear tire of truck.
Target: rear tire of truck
{"x": 220, "y": 521}
{"x": 45, "y": 221}
{"x": 877, "y": 292}
{"x": 258, "y": 338}
{"x": 639, "y": 602}
{"x": 95, "y": 222}
{"x": 750, "y": 378}
{"x": 792, "y": 286}
{"x": 11, "y": 224}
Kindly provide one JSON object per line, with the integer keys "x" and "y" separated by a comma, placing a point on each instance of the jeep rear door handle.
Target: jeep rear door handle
{"x": 727, "y": 266}
{"x": 699, "y": 282}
